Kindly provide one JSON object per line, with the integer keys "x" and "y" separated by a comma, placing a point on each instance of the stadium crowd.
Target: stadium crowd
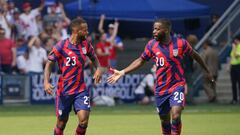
{"x": 27, "y": 35}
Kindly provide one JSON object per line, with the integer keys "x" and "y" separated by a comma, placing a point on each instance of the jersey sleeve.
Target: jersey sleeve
{"x": 147, "y": 53}
{"x": 187, "y": 48}
{"x": 55, "y": 54}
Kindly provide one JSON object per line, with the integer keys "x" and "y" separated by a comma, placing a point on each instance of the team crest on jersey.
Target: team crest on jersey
{"x": 175, "y": 52}
{"x": 84, "y": 50}
{"x": 60, "y": 112}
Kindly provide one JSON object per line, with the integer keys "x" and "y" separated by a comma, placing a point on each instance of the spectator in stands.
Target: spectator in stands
{"x": 189, "y": 69}
{"x": 17, "y": 25}
{"x": 23, "y": 63}
{"x": 210, "y": 57}
{"x": 58, "y": 22}
{"x": 235, "y": 69}
{"x": 29, "y": 19}
{"x": 103, "y": 48}
{"x": 48, "y": 44}
{"x": 11, "y": 8}
{"x": 50, "y": 32}
{"x": 21, "y": 46}
{"x": 7, "y": 53}
{"x": 37, "y": 56}
{"x": 52, "y": 18}
{"x": 4, "y": 23}
{"x": 117, "y": 45}
{"x": 39, "y": 22}
{"x": 145, "y": 91}
{"x": 58, "y": 7}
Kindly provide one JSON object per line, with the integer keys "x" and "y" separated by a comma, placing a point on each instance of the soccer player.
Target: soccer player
{"x": 167, "y": 52}
{"x": 71, "y": 55}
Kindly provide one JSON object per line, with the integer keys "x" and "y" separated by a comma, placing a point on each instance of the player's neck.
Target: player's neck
{"x": 166, "y": 41}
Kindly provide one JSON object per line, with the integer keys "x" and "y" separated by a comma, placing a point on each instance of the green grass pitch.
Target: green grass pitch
{"x": 121, "y": 120}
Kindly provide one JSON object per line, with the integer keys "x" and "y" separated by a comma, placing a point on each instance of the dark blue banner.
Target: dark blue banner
{"x": 123, "y": 89}
{"x": 38, "y": 95}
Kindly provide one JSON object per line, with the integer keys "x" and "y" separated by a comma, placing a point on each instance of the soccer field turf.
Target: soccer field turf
{"x": 121, "y": 120}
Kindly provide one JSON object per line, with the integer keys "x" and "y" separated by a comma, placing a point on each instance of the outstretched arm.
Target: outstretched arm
{"x": 134, "y": 65}
{"x": 66, "y": 19}
{"x": 100, "y": 25}
{"x": 47, "y": 73}
{"x": 42, "y": 4}
{"x": 115, "y": 31}
{"x": 118, "y": 74}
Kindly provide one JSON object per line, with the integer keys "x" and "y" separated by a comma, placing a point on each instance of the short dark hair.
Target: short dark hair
{"x": 166, "y": 22}
{"x": 76, "y": 22}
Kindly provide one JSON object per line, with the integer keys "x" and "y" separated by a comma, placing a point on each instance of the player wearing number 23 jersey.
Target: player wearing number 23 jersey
{"x": 71, "y": 55}
{"x": 71, "y": 59}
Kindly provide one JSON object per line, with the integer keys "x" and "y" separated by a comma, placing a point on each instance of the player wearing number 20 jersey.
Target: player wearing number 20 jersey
{"x": 168, "y": 62}
{"x": 71, "y": 59}
{"x": 167, "y": 52}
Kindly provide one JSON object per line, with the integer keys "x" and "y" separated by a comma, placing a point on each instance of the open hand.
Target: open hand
{"x": 115, "y": 76}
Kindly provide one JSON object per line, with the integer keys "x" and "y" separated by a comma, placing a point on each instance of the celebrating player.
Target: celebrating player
{"x": 71, "y": 54}
{"x": 167, "y": 52}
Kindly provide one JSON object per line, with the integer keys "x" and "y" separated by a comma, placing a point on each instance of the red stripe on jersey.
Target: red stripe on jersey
{"x": 175, "y": 86}
{"x": 60, "y": 86}
{"x": 180, "y": 44}
{"x": 159, "y": 71}
{"x": 76, "y": 83}
{"x": 57, "y": 53}
{"x": 180, "y": 47}
{"x": 179, "y": 67}
{"x": 177, "y": 77}
{"x": 83, "y": 87}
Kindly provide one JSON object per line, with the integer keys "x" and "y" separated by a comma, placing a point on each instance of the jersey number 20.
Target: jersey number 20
{"x": 159, "y": 61}
{"x": 71, "y": 61}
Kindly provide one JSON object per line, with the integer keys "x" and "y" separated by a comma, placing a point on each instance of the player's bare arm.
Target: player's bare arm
{"x": 118, "y": 74}
{"x": 47, "y": 73}
{"x": 98, "y": 73}
{"x": 195, "y": 55}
